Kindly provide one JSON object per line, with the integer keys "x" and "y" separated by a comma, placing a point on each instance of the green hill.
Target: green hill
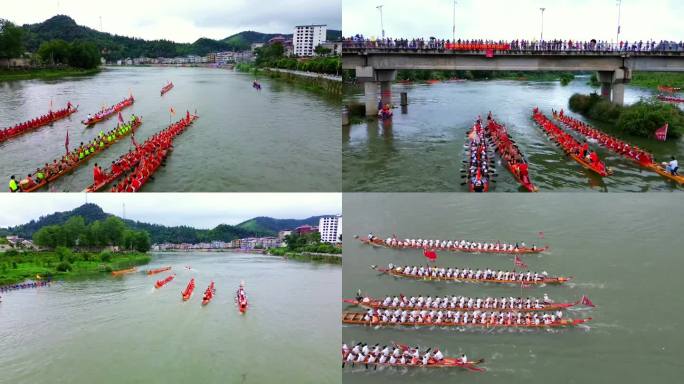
{"x": 270, "y": 226}
{"x": 114, "y": 47}
{"x": 259, "y": 226}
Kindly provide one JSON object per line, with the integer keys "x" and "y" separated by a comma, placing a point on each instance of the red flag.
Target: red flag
{"x": 120, "y": 117}
{"x": 661, "y": 133}
{"x": 66, "y": 142}
{"x": 585, "y": 301}
{"x": 518, "y": 263}
{"x": 541, "y": 234}
{"x": 489, "y": 53}
{"x": 430, "y": 255}
{"x": 133, "y": 140}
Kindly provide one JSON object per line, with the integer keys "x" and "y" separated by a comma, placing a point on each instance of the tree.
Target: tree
{"x": 11, "y": 40}
{"x": 54, "y": 52}
{"x": 113, "y": 230}
{"x": 142, "y": 241}
{"x": 322, "y": 51}
{"x": 74, "y": 229}
{"x": 83, "y": 55}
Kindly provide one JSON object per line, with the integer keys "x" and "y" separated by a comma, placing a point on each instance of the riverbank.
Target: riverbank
{"x": 45, "y": 73}
{"x": 16, "y": 267}
{"x": 320, "y": 84}
{"x": 329, "y": 258}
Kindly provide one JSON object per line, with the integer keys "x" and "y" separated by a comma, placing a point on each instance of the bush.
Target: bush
{"x": 106, "y": 256}
{"x": 64, "y": 253}
{"x": 12, "y": 253}
{"x": 63, "y": 267}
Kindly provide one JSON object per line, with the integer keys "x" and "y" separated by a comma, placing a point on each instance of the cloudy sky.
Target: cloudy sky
{"x": 199, "y": 210}
{"x": 179, "y": 20}
{"x": 505, "y": 19}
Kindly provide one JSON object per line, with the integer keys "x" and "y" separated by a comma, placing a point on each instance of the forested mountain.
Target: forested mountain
{"x": 260, "y": 226}
{"x": 115, "y": 47}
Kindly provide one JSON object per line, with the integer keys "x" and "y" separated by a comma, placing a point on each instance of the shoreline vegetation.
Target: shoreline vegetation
{"x": 639, "y": 119}
{"x": 62, "y": 263}
{"x": 308, "y": 247}
{"x": 76, "y": 249}
{"x": 45, "y": 73}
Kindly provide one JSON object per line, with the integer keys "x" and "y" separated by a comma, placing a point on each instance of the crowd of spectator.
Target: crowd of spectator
{"x": 518, "y": 45}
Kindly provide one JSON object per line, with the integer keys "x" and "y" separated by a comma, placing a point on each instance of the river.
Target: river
{"x": 114, "y": 330}
{"x": 624, "y": 254}
{"x": 422, "y": 150}
{"x": 282, "y": 138}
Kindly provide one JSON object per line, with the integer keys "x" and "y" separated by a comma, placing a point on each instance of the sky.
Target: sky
{"x": 183, "y": 21}
{"x": 506, "y": 19}
{"x": 199, "y": 210}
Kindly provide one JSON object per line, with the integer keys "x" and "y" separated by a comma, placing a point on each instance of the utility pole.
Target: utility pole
{"x": 100, "y": 23}
{"x": 541, "y": 38}
{"x": 453, "y": 29}
{"x": 617, "y": 37}
{"x": 382, "y": 27}
{"x": 124, "y": 210}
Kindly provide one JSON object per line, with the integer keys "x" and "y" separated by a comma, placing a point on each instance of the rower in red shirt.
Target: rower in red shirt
{"x": 97, "y": 174}
{"x": 585, "y": 149}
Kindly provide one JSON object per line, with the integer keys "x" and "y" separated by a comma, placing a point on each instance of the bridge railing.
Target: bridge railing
{"x": 514, "y": 47}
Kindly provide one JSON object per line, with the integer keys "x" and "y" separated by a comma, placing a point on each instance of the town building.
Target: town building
{"x": 306, "y": 38}
{"x": 330, "y": 228}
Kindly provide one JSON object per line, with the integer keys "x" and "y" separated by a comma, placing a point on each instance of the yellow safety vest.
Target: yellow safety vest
{"x": 13, "y": 185}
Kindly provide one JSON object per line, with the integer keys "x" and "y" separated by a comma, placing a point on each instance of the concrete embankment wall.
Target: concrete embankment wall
{"x": 327, "y": 83}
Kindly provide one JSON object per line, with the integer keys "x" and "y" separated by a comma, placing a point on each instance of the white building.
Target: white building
{"x": 306, "y": 38}
{"x": 330, "y": 228}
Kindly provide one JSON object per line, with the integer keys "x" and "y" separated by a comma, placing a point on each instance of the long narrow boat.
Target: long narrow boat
{"x": 124, "y": 165}
{"x": 510, "y": 154}
{"x": 568, "y": 144}
{"x": 665, "y": 88}
{"x": 357, "y": 318}
{"x": 47, "y": 119}
{"x": 454, "y": 274}
{"x": 472, "y": 247}
{"x": 371, "y": 303}
{"x": 124, "y": 271}
{"x": 80, "y": 162}
{"x": 446, "y": 362}
{"x": 188, "y": 290}
{"x": 615, "y": 145}
{"x": 208, "y": 294}
{"x": 158, "y": 270}
{"x": 478, "y": 173}
{"x": 241, "y": 299}
{"x": 671, "y": 99}
{"x": 111, "y": 111}
{"x": 166, "y": 88}
{"x": 163, "y": 282}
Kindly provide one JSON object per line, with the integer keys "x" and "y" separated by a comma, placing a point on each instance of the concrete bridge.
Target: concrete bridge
{"x": 614, "y": 69}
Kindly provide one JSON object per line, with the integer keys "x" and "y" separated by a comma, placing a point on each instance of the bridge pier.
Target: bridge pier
{"x": 370, "y": 78}
{"x": 613, "y": 84}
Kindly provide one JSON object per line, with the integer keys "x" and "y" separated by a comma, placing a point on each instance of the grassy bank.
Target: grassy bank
{"x": 328, "y": 258}
{"x": 44, "y": 74}
{"x": 654, "y": 79}
{"x": 316, "y": 85}
{"x": 16, "y": 267}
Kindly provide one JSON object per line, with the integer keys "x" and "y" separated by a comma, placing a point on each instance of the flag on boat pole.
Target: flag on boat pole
{"x": 518, "y": 263}
{"x": 171, "y": 112}
{"x": 66, "y": 142}
{"x": 120, "y": 118}
{"x": 585, "y": 301}
{"x": 133, "y": 140}
{"x": 50, "y": 104}
{"x": 430, "y": 254}
{"x": 661, "y": 133}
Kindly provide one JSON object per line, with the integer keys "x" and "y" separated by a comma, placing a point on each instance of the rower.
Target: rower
{"x": 464, "y": 359}
{"x": 673, "y": 166}
{"x": 13, "y": 187}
